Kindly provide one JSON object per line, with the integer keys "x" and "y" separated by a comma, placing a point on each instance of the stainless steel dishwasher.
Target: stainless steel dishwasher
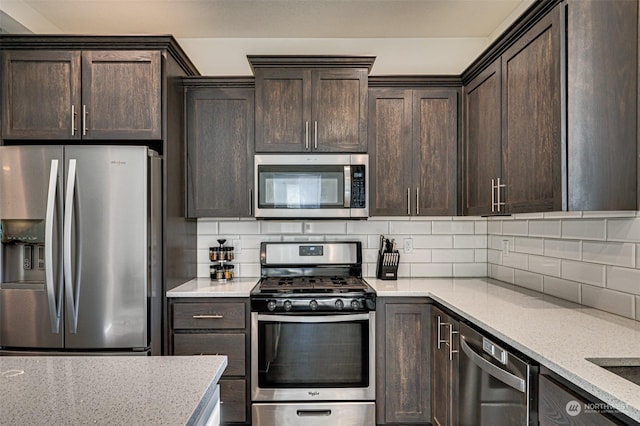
{"x": 496, "y": 387}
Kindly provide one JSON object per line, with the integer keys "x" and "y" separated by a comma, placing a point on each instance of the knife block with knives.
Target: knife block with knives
{"x": 388, "y": 260}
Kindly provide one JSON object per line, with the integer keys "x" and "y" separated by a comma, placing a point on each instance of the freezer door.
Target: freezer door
{"x": 30, "y": 230}
{"x": 106, "y": 258}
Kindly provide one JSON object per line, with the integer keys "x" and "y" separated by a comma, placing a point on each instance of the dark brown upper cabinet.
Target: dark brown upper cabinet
{"x": 413, "y": 146}
{"x": 551, "y": 122}
{"x": 219, "y": 147}
{"x": 310, "y": 103}
{"x": 65, "y": 94}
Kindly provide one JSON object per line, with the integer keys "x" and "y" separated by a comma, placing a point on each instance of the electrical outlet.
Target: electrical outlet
{"x": 408, "y": 245}
{"x": 236, "y": 246}
{"x": 505, "y": 248}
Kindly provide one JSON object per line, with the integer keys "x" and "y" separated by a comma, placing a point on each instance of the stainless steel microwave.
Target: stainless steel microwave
{"x": 306, "y": 186}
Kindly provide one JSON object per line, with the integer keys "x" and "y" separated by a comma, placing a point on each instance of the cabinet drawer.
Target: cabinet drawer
{"x": 231, "y": 345}
{"x": 233, "y": 399}
{"x": 216, "y": 315}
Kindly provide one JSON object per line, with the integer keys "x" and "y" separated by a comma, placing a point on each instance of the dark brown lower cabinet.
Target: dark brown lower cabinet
{"x": 444, "y": 367}
{"x": 217, "y": 326}
{"x": 402, "y": 361}
{"x": 558, "y": 404}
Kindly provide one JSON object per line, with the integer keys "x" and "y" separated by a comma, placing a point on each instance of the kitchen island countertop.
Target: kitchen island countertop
{"x": 107, "y": 390}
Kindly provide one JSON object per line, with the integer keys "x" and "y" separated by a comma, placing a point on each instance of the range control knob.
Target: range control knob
{"x": 271, "y": 305}
{"x": 287, "y": 305}
{"x": 313, "y": 305}
{"x": 355, "y": 305}
{"x": 339, "y": 304}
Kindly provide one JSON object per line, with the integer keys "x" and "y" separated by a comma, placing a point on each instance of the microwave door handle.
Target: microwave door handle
{"x": 347, "y": 187}
{"x": 504, "y": 376}
{"x": 313, "y": 319}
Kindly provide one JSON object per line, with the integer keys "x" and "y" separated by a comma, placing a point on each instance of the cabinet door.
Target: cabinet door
{"x": 41, "y": 91}
{"x": 339, "y": 110}
{"x": 283, "y": 110}
{"x": 219, "y": 152}
{"x": 435, "y": 150}
{"x": 531, "y": 117}
{"x": 390, "y": 116}
{"x": 121, "y": 93}
{"x": 444, "y": 368}
{"x": 482, "y": 155}
{"x": 407, "y": 388}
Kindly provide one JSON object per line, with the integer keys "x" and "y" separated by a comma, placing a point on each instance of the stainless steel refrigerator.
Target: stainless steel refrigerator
{"x": 80, "y": 258}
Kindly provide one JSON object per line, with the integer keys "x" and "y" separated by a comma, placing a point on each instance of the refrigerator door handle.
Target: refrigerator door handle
{"x": 55, "y": 300}
{"x": 72, "y": 287}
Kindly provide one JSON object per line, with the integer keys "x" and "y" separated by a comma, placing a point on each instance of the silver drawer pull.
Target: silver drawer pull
{"x": 208, "y": 316}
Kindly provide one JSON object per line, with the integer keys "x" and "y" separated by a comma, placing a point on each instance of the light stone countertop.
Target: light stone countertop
{"x": 205, "y": 287}
{"x": 558, "y": 334}
{"x": 106, "y": 390}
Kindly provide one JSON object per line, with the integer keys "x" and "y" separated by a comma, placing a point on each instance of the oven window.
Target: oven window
{"x": 313, "y": 355}
{"x": 295, "y": 187}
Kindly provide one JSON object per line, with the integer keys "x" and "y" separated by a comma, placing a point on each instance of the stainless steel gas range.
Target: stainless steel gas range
{"x": 313, "y": 336}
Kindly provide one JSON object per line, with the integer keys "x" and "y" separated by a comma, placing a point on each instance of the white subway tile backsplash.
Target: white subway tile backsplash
{"x": 431, "y": 270}
{"x": 368, "y": 227}
{"x": 607, "y": 300}
{"x": 494, "y": 257}
{"x": 416, "y": 256}
{"x": 565, "y": 249}
{"x": 623, "y": 230}
{"x": 515, "y": 227}
{"x": 620, "y": 254}
{"x": 515, "y": 260}
{"x": 544, "y": 265}
{"x": 564, "y": 289}
{"x": 601, "y": 214}
{"x": 469, "y": 269}
{"x": 528, "y": 280}
{"x": 470, "y": 241}
{"x": 452, "y": 255}
{"x": 545, "y": 228}
{"x": 280, "y": 227}
{"x": 480, "y": 255}
{"x": 529, "y": 245}
{"x": 321, "y": 227}
{"x": 562, "y": 215}
{"x": 583, "y": 272}
{"x": 584, "y": 229}
{"x": 481, "y": 227}
{"x": 501, "y": 273}
{"x": 496, "y": 242}
{"x": 239, "y": 227}
{"x": 410, "y": 227}
{"x": 520, "y": 216}
{"x": 433, "y": 241}
{"x": 453, "y": 227}
{"x": 494, "y": 227}
{"x": 207, "y": 226}
{"x": 623, "y": 279}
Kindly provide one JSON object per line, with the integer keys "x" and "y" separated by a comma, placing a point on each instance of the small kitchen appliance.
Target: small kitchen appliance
{"x": 313, "y": 336}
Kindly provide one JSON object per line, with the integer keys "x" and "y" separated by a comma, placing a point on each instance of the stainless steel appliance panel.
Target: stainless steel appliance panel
{"x": 106, "y": 250}
{"x": 30, "y": 197}
{"x": 333, "y": 414}
{"x": 496, "y": 387}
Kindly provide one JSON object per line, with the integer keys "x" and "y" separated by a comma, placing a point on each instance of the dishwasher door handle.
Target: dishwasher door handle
{"x": 504, "y": 376}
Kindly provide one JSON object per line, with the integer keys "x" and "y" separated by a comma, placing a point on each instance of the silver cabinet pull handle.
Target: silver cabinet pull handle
{"x": 84, "y": 120}
{"x": 73, "y": 120}
{"x": 408, "y": 201}
{"x": 451, "y": 350}
{"x": 306, "y": 135}
{"x": 493, "y": 195}
{"x": 499, "y": 186}
{"x": 440, "y": 324}
{"x": 315, "y": 135}
{"x": 208, "y": 316}
{"x": 417, "y": 200}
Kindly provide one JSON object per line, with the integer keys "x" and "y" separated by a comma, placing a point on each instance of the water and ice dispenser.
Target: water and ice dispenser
{"x": 22, "y": 251}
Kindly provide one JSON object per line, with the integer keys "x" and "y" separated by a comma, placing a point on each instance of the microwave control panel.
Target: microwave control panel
{"x": 358, "y": 198}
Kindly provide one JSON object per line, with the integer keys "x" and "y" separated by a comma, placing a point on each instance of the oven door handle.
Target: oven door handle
{"x": 504, "y": 376}
{"x": 314, "y": 319}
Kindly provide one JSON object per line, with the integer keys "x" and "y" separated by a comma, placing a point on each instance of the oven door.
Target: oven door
{"x": 313, "y": 357}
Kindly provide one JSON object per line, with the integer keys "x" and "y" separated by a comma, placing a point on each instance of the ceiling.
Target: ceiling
{"x": 267, "y": 18}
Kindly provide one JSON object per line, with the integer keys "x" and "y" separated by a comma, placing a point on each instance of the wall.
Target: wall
{"x": 588, "y": 258}
{"x": 442, "y": 247}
